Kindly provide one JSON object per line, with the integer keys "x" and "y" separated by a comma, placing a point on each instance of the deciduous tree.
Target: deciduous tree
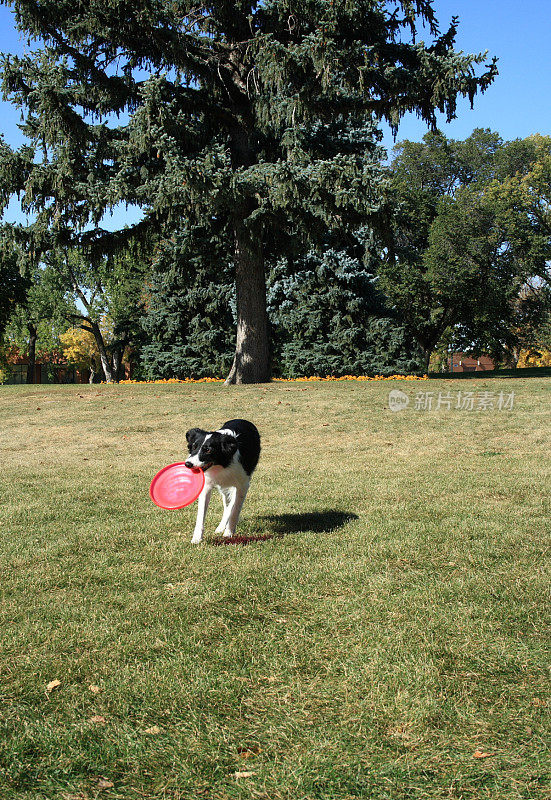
{"x": 469, "y": 231}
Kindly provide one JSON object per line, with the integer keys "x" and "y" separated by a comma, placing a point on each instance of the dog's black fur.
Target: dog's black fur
{"x": 228, "y": 456}
{"x": 220, "y": 447}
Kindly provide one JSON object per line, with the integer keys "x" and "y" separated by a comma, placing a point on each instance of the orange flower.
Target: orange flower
{"x": 303, "y": 379}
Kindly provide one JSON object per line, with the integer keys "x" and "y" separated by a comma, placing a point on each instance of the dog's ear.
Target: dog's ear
{"x": 229, "y": 446}
{"x": 193, "y": 436}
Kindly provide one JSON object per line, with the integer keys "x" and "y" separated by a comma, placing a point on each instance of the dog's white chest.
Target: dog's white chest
{"x": 225, "y": 477}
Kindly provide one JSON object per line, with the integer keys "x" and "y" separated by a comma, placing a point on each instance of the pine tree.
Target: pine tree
{"x": 196, "y": 111}
{"x": 14, "y": 285}
{"x": 189, "y": 321}
{"x": 328, "y": 317}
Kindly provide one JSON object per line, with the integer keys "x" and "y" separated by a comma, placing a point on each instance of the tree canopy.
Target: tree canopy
{"x": 469, "y": 234}
{"x": 14, "y": 284}
{"x": 227, "y": 110}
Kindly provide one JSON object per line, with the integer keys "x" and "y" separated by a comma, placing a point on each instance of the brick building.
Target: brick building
{"x": 459, "y": 362}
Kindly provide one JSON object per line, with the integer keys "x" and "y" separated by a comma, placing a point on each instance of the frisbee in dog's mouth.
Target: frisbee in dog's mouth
{"x": 205, "y": 467}
{"x": 176, "y": 486}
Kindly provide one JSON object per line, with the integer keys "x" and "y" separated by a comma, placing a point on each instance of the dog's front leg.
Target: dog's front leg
{"x": 238, "y": 500}
{"x": 227, "y": 498}
{"x": 203, "y": 504}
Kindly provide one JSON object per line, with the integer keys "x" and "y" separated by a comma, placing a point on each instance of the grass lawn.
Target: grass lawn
{"x": 381, "y": 634}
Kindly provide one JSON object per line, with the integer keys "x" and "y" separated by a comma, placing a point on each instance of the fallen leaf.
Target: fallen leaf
{"x": 249, "y": 752}
{"x": 53, "y": 685}
{"x": 93, "y": 688}
{"x": 480, "y": 754}
{"x": 97, "y": 718}
{"x": 400, "y": 731}
{"x": 103, "y": 783}
{"x": 153, "y": 730}
{"x": 243, "y": 774}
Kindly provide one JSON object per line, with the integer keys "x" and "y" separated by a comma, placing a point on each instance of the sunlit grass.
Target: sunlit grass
{"x": 380, "y": 620}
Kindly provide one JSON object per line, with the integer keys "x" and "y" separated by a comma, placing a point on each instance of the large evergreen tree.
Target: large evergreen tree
{"x": 195, "y": 111}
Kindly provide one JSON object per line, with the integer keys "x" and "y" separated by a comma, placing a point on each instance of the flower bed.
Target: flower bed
{"x": 313, "y": 378}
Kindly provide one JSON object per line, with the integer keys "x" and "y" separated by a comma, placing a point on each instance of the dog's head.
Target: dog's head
{"x": 209, "y": 449}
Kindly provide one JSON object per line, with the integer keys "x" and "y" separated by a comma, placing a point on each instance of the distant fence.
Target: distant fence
{"x": 43, "y": 373}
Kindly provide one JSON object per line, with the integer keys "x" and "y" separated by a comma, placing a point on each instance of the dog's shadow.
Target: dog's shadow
{"x": 283, "y": 524}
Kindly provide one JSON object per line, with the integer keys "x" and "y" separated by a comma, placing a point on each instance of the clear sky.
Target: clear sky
{"x": 516, "y": 105}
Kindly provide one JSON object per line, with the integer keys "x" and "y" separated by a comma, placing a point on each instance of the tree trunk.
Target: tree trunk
{"x": 426, "y": 360}
{"x": 32, "y": 352}
{"x": 117, "y": 363}
{"x": 106, "y": 366}
{"x": 251, "y": 363}
{"x": 93, "y": 370}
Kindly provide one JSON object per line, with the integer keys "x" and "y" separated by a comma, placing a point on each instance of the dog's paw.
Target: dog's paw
{"x": 197, "y": 538}
{"x": 220, "y": 529}
{"x": 227, "y": 533}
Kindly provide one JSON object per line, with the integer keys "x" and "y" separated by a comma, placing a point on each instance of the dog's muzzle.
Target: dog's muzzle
{"x": 204, "y": 467}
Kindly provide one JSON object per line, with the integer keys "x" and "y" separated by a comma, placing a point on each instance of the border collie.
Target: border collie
{"x": 228, "y": 458}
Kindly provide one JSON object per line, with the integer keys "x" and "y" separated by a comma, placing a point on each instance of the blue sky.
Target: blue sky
{"x": 519, "y": 101}
{"x": 516, "y": 105}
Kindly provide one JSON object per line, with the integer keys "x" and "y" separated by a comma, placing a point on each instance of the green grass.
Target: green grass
{"x": 384, "y": 621}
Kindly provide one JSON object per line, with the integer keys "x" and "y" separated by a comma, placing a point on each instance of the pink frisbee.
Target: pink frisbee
{"x": 176, "y": 486}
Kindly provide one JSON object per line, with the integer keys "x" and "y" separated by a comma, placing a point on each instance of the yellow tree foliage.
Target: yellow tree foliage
{"x": 528, "y": 191}
{"x": 535, "y": 358}
{"x": 79, "y": 348}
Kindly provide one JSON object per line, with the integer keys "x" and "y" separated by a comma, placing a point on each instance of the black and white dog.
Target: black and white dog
{"x": 228, "y": 458}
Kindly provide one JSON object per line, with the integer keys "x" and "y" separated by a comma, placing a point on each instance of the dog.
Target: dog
{"x": 228, "y": 457}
